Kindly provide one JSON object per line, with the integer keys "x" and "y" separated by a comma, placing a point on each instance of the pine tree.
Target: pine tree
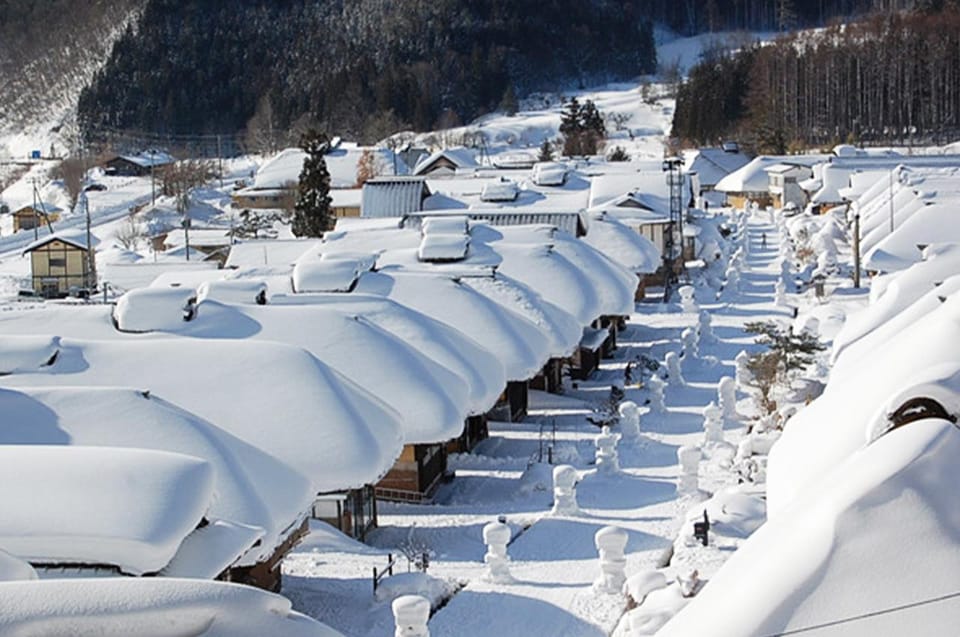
{"x": 546, "y": 151}
{"x": 311, "y": 213}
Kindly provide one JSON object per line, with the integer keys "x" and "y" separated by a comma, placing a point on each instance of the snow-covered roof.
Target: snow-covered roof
{"x": 436, "y": 247}
{"x": 148, "y": 158}
{"x": 252, "y": 488}
{"x": 548, "y": 173}
{"x": 129, "y": 508}
{"x": 713, "y": 164}
{"x": 160, "y": 607}
{"x": 393, "y": 196}
{"x": 929, "y": 224}
{"x": 27, "y": 353}
{"x": 868, "y": 544}
{"x": 499, "y": 191}
{"x": 645, "y": 190}
{"x": 267, "y": 252}
{"x": 155, "y": 308}
{"x": 514, "y": 160}
{"x": 14, "y": 569}
{"x": 285, "y": 167}
{"x": 857, "y": 401}
{"x": 41, "y": 208}
{"x": 430, "y": 399}
{"x": 75, "y": 238}
{"x": 321, "y": 424}
{"x": 437, "y": 224}
{"x": 517, "y": 343}
{"x": 461, "y": 158}
{"x": 753, "y": 177}
{"x": 323, "y": 275}
{"x": 621, "y": 244}
{"x": 480, "y": 368}
{"x": 233, "y": 291}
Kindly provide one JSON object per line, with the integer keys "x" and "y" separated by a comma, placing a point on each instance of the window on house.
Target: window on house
{"x": 58, "y": 262}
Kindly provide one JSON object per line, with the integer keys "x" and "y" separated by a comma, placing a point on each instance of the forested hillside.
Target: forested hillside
{"x": 48, "y": 51}
{"x": 363, "y": 68}
{"x": 893, "y": 78}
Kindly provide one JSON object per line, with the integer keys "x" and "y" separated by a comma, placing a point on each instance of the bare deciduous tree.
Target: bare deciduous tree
{"x": 262, "y": 134}
{"x": 72, "y": 171}
{"x": 131, "y": 233}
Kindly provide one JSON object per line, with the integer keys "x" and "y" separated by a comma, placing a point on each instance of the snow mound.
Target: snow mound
{"x": 434, "y": 589}
{"x": 14, "y": 569}
{"x": 233, "y": 291}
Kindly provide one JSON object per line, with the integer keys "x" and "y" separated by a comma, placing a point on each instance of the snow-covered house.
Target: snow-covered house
{"x": 751, "y": 183}
{"x": 322, "y": 425}
{"x": 60, "y": 264}
{"x": 139, "y": 164}
{"x": 784, "y": 185}
{"x": 447, "y": 162}
{"x": 258, "y": 497}
{"x": 31, "y": 216}
{"x": 713, "y": 164}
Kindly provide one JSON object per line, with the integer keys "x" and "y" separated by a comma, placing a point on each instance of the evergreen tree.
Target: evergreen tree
{"x": 582, "y": 128}
{"x": 508, "y": 104}
{"x": 311, "y": 213}
{"x": 546, "y": 151}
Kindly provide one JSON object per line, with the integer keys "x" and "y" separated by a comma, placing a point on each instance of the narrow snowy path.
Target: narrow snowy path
{"x": 553, "y": 558}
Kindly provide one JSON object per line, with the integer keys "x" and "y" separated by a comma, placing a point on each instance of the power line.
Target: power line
{"x": 876, "y": 613}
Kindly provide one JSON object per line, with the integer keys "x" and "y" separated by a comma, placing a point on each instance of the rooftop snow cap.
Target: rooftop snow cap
{"x": 431, "y": 399}
{"x": 253, "y": 488}
{"x": 129, "y": 508}
{"x": 480, "y": 368}
{"x": 154, "y": 606}
{"x": 154, "y": 309}
{"x": 518, "y": 344}
{"x": 307, "y": 416}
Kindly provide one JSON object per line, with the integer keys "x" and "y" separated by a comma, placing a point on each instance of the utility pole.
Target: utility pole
{"x": 856, "y": 250}
{"x": 220, "y": 161}
{"x": 891, "y": 201}
{"x": 153, "y": 182}
{"x": 36, "y": 217}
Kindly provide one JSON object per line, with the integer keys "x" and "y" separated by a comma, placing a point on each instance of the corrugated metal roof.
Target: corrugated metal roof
{"x": 393, "y": 197}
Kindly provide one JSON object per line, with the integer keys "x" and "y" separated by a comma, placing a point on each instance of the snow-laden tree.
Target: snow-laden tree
{"x": 311, "y": 213}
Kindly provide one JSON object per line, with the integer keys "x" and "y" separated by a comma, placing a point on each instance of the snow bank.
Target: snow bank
{"x": 24, "y": 354}
{"x": 874, "y": 533}
{"x": 154, "y": 309}
{"x": 129, "y": 508}
{"x": 253, "y": 488}
{"x": 159, "y": 607}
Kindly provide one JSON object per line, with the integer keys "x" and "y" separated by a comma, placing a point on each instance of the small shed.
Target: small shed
{"x": 446, "y": 162}
{"x": 59, "y": 264}
{"x": 35, "y": 216}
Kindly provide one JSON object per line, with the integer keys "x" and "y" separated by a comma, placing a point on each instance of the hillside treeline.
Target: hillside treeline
{"x": 892, "y": 78}
{"x": 364, "y": 68}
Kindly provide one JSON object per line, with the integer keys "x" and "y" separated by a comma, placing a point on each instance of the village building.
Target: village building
{"x": 141, "y": 164}
{"x": 447, "y": 162}
{"x": 33, "y": 216}
{"x": 60, "y": 265}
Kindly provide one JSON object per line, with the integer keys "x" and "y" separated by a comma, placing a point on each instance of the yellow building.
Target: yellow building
{"x": 59, "y": 265}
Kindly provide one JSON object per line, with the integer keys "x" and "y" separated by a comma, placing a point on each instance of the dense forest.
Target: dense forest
{"x": 48, "y": 50}
{"x": 892, "y": 78}
{"x": 364, "y": 68}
